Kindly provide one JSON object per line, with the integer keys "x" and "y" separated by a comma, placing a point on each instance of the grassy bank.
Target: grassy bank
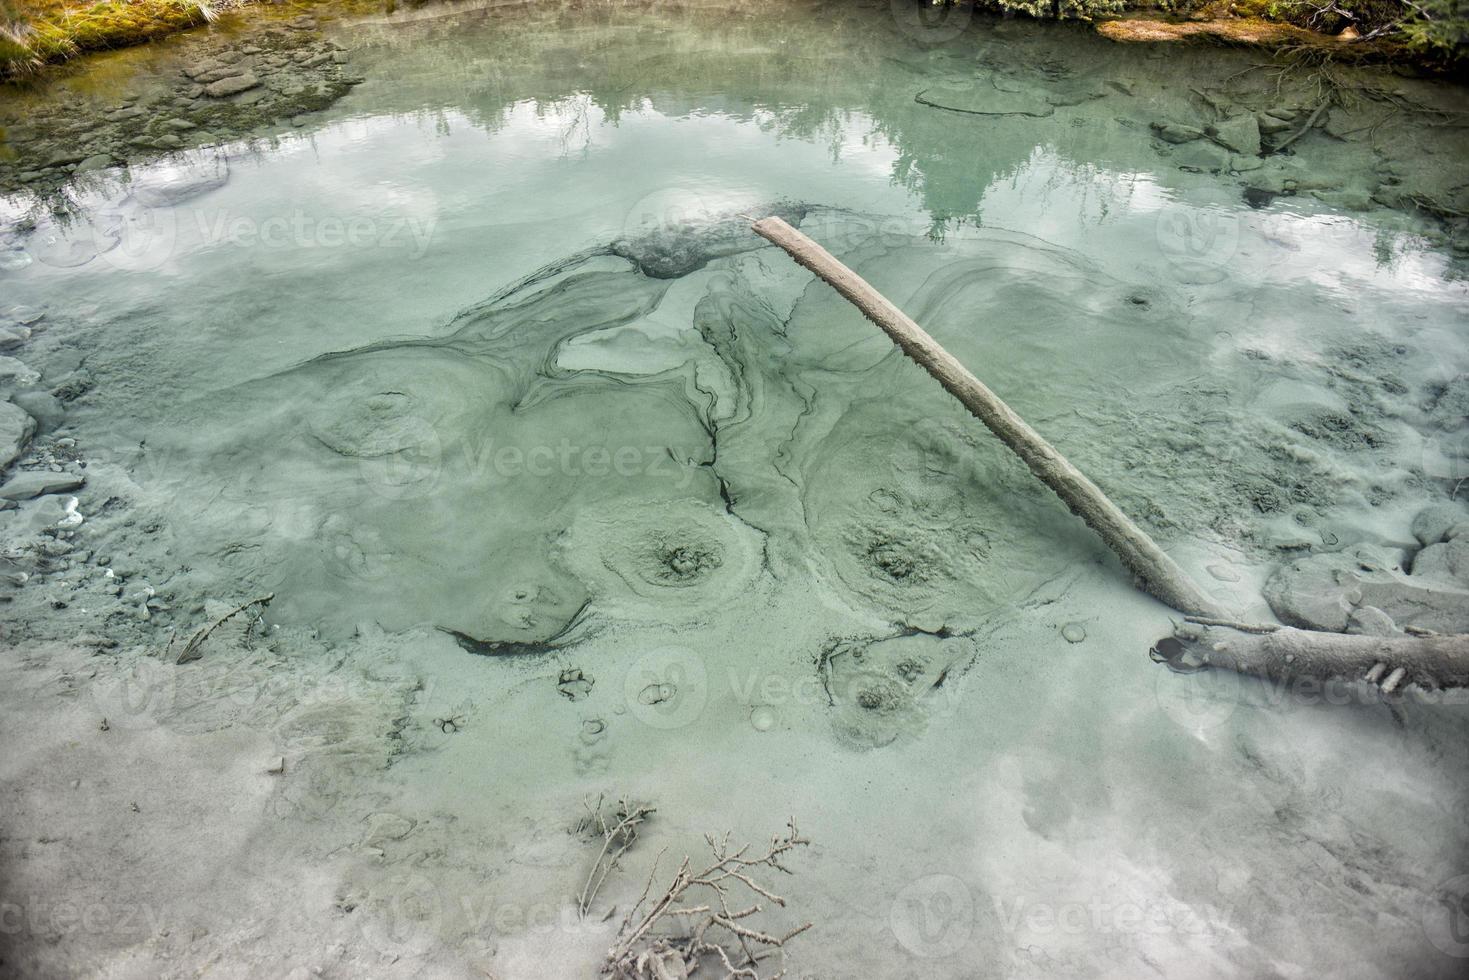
{"x": 38, "y": 32}
{"x": 34, "y": 33}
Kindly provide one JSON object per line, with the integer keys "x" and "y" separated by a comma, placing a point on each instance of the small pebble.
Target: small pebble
{"x": 763, "y": 718}
{"x": 1073, "y": 632}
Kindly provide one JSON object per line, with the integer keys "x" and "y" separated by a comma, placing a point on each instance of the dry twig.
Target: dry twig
{"x": 191, "y": 649}
{"x": 616, "y": 839}
{"x": 642, "y": 953}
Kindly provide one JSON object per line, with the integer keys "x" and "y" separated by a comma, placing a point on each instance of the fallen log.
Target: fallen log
{"x": 1284, "y": 653}
{"x": 1211, "y": 636}
{"x": 1153, "y": 570}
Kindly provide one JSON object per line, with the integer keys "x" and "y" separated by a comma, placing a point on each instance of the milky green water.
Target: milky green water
{"x": 485, "y": 352}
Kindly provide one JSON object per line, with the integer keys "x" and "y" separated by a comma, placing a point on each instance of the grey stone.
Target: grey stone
{"x": 98, "y": 161}
{"x": 1240, "y": 134}
{"x": 14, "y": 372}
{"x": 60, "y": 158}
{"x": 43, "y": 407}
{"x": 1324, "y": 591}
{"x": 196, "y": 71}
{"x": 1269, "y": 125}
{"x": 1432, "y": 524}
{"x": 24, "y": 315}
{"x": 1371, "y": 621}
{"x": 1176, "y": 133}
{"x": 16, "y": 429}
{"x": 1447, "y": 563}
{"x": 1347, "y": 200}
{"x": 24, "y": 486}
{"x": 233, "y": 85}
{"x": 1203, "y": 157}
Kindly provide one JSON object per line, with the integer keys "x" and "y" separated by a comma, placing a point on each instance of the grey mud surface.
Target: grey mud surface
{"x": 567, "y": 485}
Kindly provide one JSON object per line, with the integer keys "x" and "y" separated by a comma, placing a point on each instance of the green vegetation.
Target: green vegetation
{"x": 1437, "y": 28}
{"x": 1440, "y": 26}
{"x": 34, "y": 32}
{"x": 1060, "y": 9}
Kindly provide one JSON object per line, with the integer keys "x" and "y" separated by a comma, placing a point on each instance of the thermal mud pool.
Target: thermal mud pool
{"x": 565, "y": 521}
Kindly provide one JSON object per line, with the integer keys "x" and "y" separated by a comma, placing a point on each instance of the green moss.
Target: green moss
{"x": 35, "y": 32}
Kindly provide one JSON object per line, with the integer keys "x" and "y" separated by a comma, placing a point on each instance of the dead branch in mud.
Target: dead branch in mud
{"x": 643, "y": 954}
{"x": 1157, "y": 573}
{"x": 1213, "y": 637}
{"x": 191, "y": 649}
{"x": 617, "y": 838}
{"x": 1428, "y": 660}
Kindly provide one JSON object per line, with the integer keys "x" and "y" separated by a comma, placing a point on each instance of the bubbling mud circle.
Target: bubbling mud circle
{"x": 769, "y": 427}
{"x": 883, "y": 690}
{"x": 922, "y": 526}
{"x": 874, "y": 710}
{"x": 681, "y": 552}
{"x": 372, "y": 424}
